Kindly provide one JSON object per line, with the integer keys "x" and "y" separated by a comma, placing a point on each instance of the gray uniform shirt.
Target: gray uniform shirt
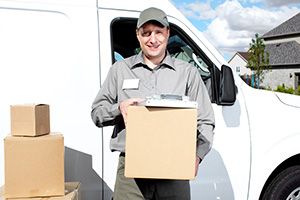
{"x": 172, "y": 76}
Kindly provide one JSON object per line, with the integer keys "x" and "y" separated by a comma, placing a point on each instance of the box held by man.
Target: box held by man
{"x": 160, "y": 142}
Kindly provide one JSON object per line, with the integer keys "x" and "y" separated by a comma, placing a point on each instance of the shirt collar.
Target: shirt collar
{"x": 139, "y": 61}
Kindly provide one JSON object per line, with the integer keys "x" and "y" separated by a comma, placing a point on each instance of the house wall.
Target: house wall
{"x": 239, "y": 63}
{"x": 276, "y": 77}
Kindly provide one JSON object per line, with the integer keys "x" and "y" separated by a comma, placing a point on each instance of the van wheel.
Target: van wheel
{"x": 285, "y": 186}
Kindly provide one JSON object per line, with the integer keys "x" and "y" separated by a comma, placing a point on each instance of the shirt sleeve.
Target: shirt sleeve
{"x": 105, "y": 108}
{"x": 205, "y": 115}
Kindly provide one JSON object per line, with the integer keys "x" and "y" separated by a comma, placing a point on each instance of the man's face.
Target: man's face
{"x": 153, "y": 40}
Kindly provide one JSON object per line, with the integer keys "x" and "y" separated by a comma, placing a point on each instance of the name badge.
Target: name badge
{"x": 130, "y": 84}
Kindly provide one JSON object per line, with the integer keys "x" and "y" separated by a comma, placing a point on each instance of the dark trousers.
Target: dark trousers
{"x": 149, "y": 189}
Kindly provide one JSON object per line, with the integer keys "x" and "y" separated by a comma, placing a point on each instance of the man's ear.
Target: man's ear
{"x": 137, "y": 32}
{"x": 168, "y": 31}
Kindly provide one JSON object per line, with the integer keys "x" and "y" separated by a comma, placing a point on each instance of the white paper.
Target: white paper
{"x": 131, "y": 84}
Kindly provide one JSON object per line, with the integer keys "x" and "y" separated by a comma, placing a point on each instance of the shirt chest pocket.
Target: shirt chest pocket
{"x": 130, "y": 93}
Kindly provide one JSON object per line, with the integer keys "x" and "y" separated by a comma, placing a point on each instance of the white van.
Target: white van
{"x": 59, "y": 52}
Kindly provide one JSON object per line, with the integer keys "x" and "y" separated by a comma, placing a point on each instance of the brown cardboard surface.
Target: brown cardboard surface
{"x": 160, "y": 142}
{"x": 71, "y": 193}
{"x": 34, "y": 166}
{"x": 30, "y": 119}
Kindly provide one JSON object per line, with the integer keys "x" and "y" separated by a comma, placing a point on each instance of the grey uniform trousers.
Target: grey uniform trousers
{"x": 148, "y": 189}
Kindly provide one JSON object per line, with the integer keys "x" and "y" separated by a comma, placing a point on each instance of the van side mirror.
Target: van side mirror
{"x": 224, "y": 89}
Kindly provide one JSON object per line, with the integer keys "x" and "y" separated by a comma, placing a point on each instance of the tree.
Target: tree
{"x": 258, "y": 59}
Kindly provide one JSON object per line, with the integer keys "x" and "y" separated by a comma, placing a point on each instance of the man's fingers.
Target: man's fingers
{"x": 135, "y": 101}
{"x": 126, "y": 103}
{"x": 198, "y": 160}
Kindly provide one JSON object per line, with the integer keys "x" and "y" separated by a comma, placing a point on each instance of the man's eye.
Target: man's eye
{"x": 146, "y": 34}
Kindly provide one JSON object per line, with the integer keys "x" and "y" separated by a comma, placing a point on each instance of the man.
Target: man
{"x": 152, "y": 71}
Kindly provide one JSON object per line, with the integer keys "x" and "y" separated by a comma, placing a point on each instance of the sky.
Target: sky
{"x": 231, "y": 24}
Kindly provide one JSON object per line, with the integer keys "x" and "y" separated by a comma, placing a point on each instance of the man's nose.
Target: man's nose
{"x": 153, "y": 37}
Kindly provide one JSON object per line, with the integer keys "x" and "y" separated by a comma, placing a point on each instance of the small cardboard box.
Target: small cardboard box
{"x": 34, "y": 166}
{"x": 30, "y": 119}
{"x": 71, "y": 193}
{"x": 160, "y": 142}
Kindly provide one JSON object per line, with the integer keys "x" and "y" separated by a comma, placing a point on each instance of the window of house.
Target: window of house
{"x": 297, "y": 80}
{"x": 238, "y": 69}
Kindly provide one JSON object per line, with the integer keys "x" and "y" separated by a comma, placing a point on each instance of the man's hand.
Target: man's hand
{"x": 125, "y": 104}
{"x": 198, "y": 160}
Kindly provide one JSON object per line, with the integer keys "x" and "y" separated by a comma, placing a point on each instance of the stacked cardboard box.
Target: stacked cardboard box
{"x": 71, "y": 193}
{"x": 30, "y": 120}
{"x": 34, "y": 157}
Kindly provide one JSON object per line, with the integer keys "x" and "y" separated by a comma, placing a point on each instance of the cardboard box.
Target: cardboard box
{"x": 160, "y": 142}
{"x": 30, "y": 119}
{"x": 71, "y": 193}
{"x": 34, "y": 166}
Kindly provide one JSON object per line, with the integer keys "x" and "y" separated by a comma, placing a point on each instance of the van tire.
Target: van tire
{"x": 285, "y": 185}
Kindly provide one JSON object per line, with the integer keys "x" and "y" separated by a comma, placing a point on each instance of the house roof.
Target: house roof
{"x": 285, "y": 53}
{"x": 289, "y": 27}
{"x": 245, "y": 55}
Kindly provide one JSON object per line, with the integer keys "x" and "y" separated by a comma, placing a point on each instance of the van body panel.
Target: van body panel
{"x": 274, "y": 135}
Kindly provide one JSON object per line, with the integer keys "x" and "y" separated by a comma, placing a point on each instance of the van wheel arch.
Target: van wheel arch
{"x": 284, "y": 181}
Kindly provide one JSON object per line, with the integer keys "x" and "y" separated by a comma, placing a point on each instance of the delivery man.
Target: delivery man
{"x": 152, "y": 71}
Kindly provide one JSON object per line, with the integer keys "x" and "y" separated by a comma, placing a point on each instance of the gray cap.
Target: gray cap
{"x": 152, "y": 14}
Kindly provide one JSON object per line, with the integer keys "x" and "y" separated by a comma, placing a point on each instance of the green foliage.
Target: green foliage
{"x": 282, "y": 88}
{"x": 258, "y": 58}
{"x": 297, "y": 92}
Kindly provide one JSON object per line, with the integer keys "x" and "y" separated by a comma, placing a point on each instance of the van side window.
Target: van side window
{"x": 180, "y": 46}
{"x": 179, "y": 49}
{"x": 117, "y": 56}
